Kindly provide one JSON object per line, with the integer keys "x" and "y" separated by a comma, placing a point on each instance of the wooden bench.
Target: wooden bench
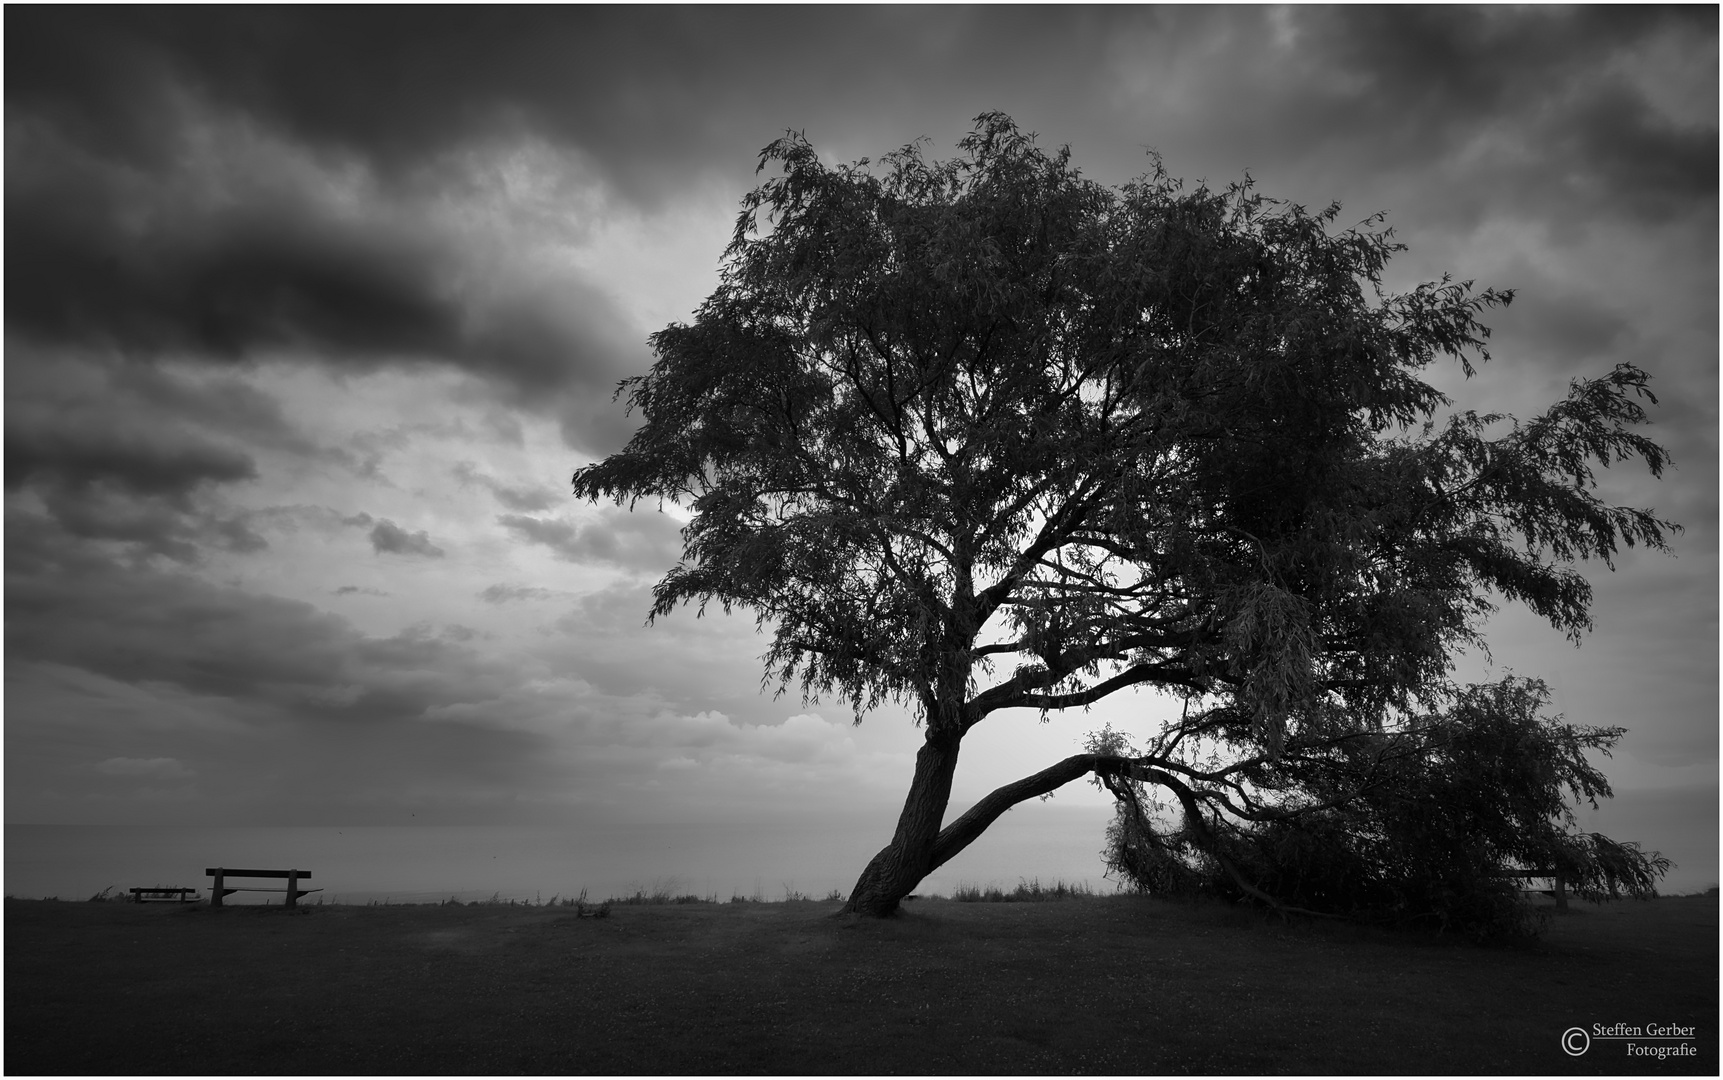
{"x": 293, "y": 891}
{"x": 1559, "y": 892}
{"x": 163, "y": 894}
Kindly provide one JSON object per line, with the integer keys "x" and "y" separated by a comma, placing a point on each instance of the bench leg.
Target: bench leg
{"x": 1560, "y": 894}
{"x": 215, "y": 893}
{"x": 292, "y": 888}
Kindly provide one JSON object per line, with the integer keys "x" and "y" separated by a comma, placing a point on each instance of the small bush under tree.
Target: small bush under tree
{"x": 1423, "y": 822}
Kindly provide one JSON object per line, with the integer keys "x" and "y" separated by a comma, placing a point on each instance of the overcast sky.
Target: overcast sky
{"x": 310, "y": 315}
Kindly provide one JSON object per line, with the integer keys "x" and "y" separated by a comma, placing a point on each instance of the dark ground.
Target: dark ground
{"x": 1104, "y": 985}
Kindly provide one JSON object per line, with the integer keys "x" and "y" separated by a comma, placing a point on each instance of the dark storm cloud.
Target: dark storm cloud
{"x": 389, "y": 538}
{"x": 656, "y": 98}
{"x": 107, "y": 465}
{"x": 521, "y": 499}
{"x": 140, "y": 216}
{"x": 525, "y": 500}
{"x": 78, "y": 457}
{"x": 502, "y": 594}
{"x": 151, "y": 527}
{"x": 1633, "y": 157}
{"x": 74, "y": 422}
{"x": 201, "y": 277}
{"x": 640, "y": 541}
{"x": 229, "y": 260}
{"x": 155, "y": 768}
{"x": 1568, "y": 328}
{"x": 140, "y": 626}
{"x": 132, "y": 236}
{"x": 145, "y": 456}
{"x": 649, "y": 94}
{"x": 560, "y": 536}
{"x": 1548, "y": 109}
{"x": 687, "y": 661}
{"x": 155, "y": 210}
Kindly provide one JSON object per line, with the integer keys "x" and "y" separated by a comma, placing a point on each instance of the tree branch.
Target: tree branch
{"x": 960, "y": 833}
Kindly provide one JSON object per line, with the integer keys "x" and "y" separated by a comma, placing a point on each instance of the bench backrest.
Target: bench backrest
{"x": 228, "y": 871}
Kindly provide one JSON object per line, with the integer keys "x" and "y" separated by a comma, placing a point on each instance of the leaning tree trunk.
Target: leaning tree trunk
{"x": 899, "y": 867}
{"x": 920, "y": 846}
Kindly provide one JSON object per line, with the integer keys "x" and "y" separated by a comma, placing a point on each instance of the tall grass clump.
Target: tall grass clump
{"x": 662, "y": 895}
{"x": 1029, "y": 892}
{"x": 583, "y": 908}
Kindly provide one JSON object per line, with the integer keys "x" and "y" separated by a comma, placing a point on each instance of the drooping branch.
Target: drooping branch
{"x": 1116, "y": 772}
{"x": 960, "y": 833}
{"x": 1205, "y": 837}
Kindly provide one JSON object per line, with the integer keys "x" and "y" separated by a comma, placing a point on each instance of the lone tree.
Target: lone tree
{"x": 982, "y": 434}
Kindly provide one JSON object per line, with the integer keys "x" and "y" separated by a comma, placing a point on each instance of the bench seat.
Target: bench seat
{"x": 219, "y": 888}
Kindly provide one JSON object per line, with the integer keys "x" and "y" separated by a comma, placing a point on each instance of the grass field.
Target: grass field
{"x": 1116, "y": 984}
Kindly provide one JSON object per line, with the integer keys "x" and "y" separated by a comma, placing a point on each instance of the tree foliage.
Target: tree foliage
{"x": 983, "y": 434}
{"x": 1415, "y": 824}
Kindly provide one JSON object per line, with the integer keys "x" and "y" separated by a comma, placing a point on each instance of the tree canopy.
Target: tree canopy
{"x": 983, "y": 434}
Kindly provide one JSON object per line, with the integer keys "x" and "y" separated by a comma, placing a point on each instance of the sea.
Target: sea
{"x": 366, "y": 864}
{"x": 812, "y": 856}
